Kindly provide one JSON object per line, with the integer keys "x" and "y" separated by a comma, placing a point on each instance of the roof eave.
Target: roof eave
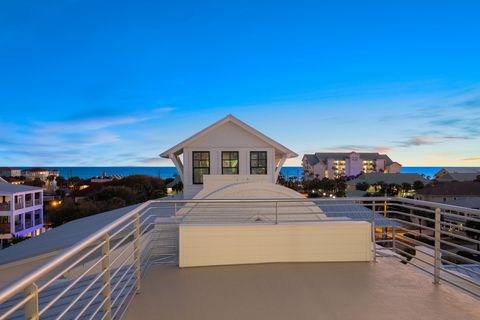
{"x": 178, "y": 148}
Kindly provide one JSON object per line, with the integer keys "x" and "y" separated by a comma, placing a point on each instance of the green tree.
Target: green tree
{"x": 406, "y": 187}
{"x": 417, "y": 185}
{"x": 362, "y": 186}
{"x": 381, "y": 187}
{"x": 128, "y": 195}
{"x": 37, "y": 182}
{"x": 393, "y": 189}
{"x": 73, "y": 182}
{"x": 61, "y": 182}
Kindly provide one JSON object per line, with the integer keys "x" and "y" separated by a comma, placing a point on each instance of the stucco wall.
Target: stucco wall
{"x": 207, "y": 245}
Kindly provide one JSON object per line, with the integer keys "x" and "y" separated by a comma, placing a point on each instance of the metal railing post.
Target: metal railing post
{"x": 394, "y": 234}
{"x": 276, "y": 212}
{"x": 31, "y": 307}
{"x": 437, "y": 257}
{"x": 136, "y": 253}
{"x": 175, "y": 209}
{"x": 107, "y": 293}
{"x": 374, "y": 240}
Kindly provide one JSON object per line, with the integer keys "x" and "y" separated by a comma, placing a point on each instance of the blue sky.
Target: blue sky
{"x": 117, "y": 82}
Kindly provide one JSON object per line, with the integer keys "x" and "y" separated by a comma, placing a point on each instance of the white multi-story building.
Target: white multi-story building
{"x": 334, "y": 164}
{"x": 21, "y": 210}
{"x": 10, "y": 172}
{"x": 229, "y": 152}
{"x": 39, "y": 173}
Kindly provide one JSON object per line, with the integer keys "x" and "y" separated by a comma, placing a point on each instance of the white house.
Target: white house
{"x": 227, "y": 153}
{"x": 21, "y": 210}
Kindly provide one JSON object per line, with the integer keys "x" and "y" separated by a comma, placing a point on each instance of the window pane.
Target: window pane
{"x": 258, "y": 162}
{"x": 229, "y": 162}
{"x": 201, "y": 165}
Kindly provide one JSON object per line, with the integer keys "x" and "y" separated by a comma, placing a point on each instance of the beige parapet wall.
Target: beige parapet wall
{"x": 328, "y": 241}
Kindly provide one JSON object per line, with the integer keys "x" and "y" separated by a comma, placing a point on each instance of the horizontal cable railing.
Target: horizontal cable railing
{"x": 99, "y": 276}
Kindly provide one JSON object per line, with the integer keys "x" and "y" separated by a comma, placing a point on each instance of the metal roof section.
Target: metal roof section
{"x": 341, "y": 209}
{"x": 17, "y": 188}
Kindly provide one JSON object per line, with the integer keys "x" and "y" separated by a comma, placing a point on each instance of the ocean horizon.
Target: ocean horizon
{"x": 170, "y": 172}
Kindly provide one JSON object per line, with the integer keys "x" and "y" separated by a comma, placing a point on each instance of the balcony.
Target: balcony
{"x": 38, "y": 202}
{"x": 129, "y": 269}
{"x": 19, "y": 205}
{"x": 28, "y": 203}
{"x": 4, "y": 228}
{"x": 19, "y": 227}
{"x": 28, "y": 223}
{"x": 5, "y": 206}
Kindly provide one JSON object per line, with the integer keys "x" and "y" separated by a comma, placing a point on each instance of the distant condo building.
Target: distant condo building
{"x": 333, "y": 164}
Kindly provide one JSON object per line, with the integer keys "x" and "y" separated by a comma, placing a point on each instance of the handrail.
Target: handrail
{"x": 21, "y": 284}
{"x": 137, "y": 218}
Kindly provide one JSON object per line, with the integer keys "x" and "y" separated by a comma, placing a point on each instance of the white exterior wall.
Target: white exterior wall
{"x": 330, "y": 165}
{"x": 208, "y": 245}
{"x": 319, "y": 169}
{"x": 380, "y": 165}
{"x": 191, "y": 189}
{"x": 13, "y": 213}
{"x": 353, "y": 164}
{"x": 394, "y": 168}
{"x": 228, "y": 137}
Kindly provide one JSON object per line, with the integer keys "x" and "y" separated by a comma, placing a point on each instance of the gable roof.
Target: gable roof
{"x": 14, "y": 188}
{"x": 178, "y": 148}
{"x": 469, "y": 202}
{"x": 311, "y": 159}
{"x": 463, "y": 176}
{"x": 461, "y": 170}
{"x": 453, "y": 188}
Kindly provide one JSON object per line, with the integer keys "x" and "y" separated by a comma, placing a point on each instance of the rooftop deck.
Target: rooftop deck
{"x": 379, "y": 290}
{"x": 98, "y": 275}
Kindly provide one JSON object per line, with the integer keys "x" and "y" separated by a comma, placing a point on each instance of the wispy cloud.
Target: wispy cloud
{"x": 428, "y": 140}
{"x": 164, "y": 109}
{"x": 87, "y": 139}
{"x": 362, "y": 148}
{"x": 472, "y": 159}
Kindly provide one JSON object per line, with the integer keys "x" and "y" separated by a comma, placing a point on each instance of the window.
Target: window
{"x": 229, "y": 162}
{"x": 201, "y": 165}
{"x": 258, "y": 162}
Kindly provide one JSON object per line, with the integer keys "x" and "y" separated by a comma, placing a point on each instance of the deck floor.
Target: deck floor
{"x": 330, "y": 291}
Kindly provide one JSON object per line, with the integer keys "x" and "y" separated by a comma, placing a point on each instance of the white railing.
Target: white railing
{"x": 98, "y": 277}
